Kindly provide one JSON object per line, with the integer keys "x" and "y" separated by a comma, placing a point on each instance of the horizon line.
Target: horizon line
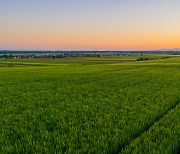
{"x": 89, "y": 49}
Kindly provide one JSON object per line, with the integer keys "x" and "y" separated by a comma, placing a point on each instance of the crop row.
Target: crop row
{"x": 162, "y": 137}
{"x": 80, "y": 109}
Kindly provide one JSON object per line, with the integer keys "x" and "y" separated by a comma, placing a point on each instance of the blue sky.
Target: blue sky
{"x": 76, "y": 24}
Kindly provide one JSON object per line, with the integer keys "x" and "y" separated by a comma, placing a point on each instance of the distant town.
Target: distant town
{"x": 8, "y": 54}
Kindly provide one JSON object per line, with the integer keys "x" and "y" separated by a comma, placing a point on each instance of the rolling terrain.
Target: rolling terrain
{"x": 90, "y": 105}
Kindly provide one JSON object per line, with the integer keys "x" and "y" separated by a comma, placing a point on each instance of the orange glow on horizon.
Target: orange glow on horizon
{"x": 90, "y": 25}
{"x": 99, "y": 39}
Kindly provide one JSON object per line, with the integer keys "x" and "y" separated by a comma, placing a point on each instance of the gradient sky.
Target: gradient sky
{"x": 89, "y": 24}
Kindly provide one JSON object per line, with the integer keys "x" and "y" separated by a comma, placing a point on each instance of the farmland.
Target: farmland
{"x": 90, "y": 105}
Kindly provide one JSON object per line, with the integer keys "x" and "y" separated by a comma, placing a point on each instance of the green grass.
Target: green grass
{"x": 77, "y": 106}
{"x": 74, "y": 60}
{"x": 162, "y": 137}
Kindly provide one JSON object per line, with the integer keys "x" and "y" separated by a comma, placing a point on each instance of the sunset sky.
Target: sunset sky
{"x": 89, "y": 24}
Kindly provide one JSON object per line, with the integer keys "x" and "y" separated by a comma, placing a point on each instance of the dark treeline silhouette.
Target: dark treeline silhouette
{"x": 61, "y": 54}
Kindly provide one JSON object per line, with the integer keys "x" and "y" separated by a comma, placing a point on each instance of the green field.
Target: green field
{"x": 90, "y": 105}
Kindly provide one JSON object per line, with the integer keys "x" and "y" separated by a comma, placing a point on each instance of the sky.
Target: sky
{"x": 89, "y": 24}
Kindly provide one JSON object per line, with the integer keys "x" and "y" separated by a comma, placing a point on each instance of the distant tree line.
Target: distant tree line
{"x": 47, "y": 55}
{"x": 10, "y": 56}
{"x": 6, "y": 56}
{"x": 149, "y": 58}
{"x": 177, "y": 53}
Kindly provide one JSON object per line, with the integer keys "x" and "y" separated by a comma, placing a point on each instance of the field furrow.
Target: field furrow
{"x": 162, "y": 137}
{"x": 157, "y": 120}
{"x": 75, "y": 108}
